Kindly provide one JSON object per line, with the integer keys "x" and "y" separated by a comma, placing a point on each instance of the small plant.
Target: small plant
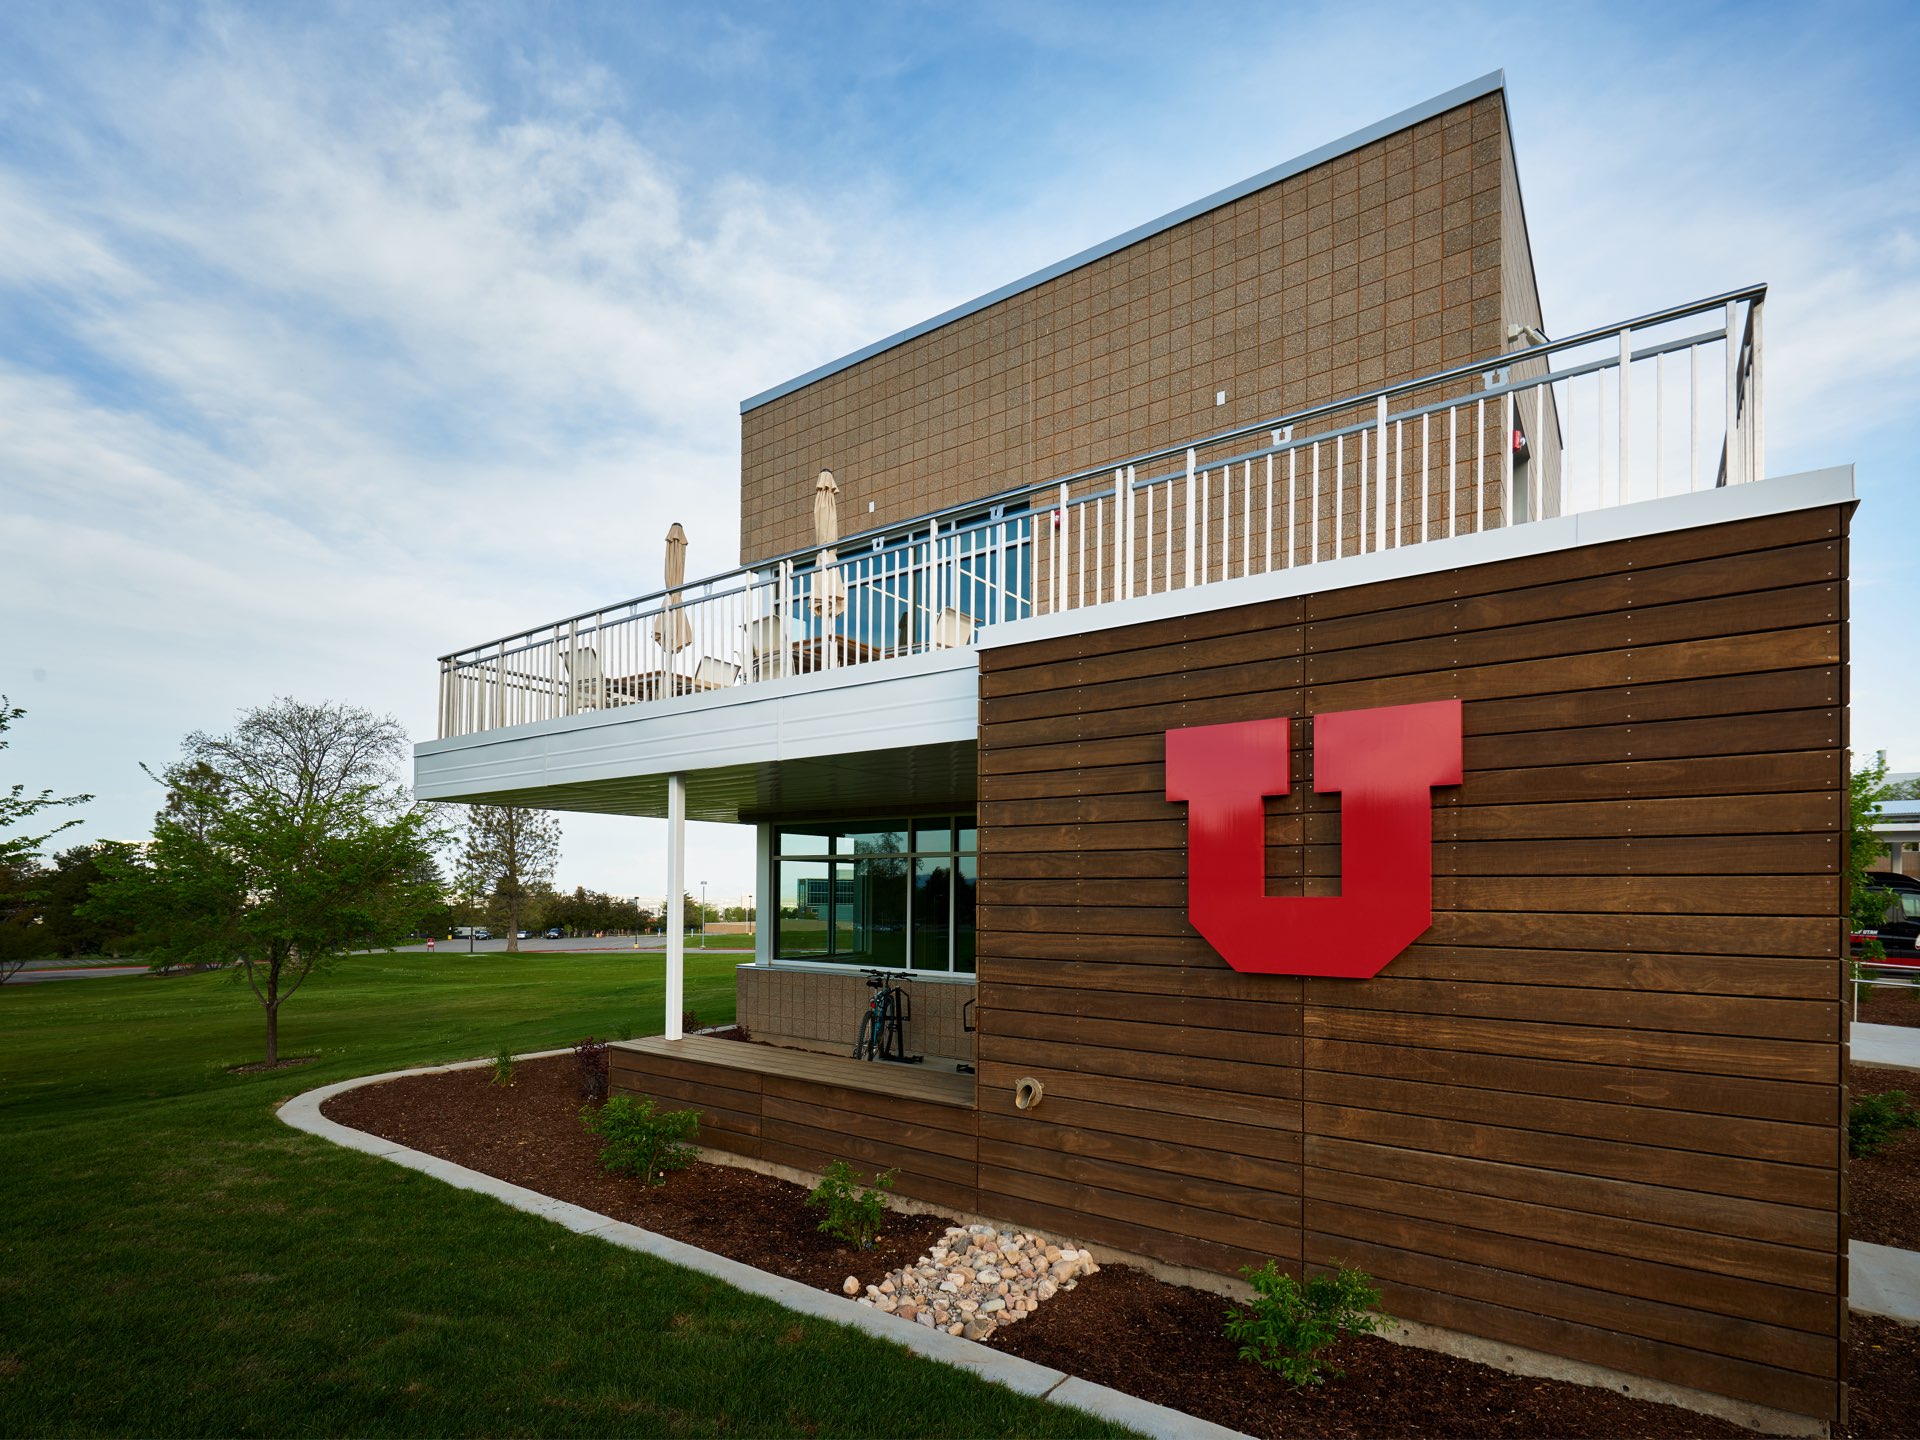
{"x": 854, "y": 1212}
{"x": 625, "y": 1032}
{"x": 1873, "y": 1120}
{"x": 689, "y": 1023}
{"x": 639, "y": 1139}
{"x": 590, "y": 1059}
{"x": 1285, "y": 1327}
{"x": 503, "y": 1066}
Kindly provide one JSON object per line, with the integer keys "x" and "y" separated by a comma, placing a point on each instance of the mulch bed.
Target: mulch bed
{"x": 1884, "y": 1188}
{"x": 530, "y": 1133}
{"x": 1891, "y": 1007}
{"x": 1121, "y": 1327}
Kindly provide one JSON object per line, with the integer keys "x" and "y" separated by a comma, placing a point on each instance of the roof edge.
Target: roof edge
{"x": 1493, "y": 81}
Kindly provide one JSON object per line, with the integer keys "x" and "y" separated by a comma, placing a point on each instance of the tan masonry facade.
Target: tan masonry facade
{"x": 1394, "y": 260}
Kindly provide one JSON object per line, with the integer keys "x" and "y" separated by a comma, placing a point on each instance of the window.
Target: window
{"x": 889, "y": 894}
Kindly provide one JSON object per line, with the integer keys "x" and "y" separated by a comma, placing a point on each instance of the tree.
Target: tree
{"x": 74, "y": 873}
{"x": 510, "y": 854}
{"x": 20, "y": 872}
{"x": 283, "y": 845}
{"x": 1866, "y": 902}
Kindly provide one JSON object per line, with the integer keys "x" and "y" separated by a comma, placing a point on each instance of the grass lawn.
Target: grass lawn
{"x": 176, "y": 1261}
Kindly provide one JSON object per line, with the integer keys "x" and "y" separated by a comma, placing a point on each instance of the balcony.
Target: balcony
{"x": 1665, "y": 404}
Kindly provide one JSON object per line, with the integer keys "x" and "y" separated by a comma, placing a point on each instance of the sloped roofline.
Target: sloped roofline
{"x": 1487, "y": 84}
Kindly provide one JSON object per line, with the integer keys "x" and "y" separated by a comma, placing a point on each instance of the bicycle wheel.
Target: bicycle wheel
{"x": 867, "y": 1044}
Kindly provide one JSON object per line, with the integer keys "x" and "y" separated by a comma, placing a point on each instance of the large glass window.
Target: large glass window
{"x": 891, "y": 894}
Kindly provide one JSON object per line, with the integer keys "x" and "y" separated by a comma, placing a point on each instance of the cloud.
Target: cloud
{"x": 355, "y": 368}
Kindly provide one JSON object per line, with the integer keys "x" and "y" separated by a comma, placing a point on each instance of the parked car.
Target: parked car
{"x": 1892, "y": 880}
{"x": 553, "y": 932}
{"x": 480, "y": 932}
{"x": 1899, "y": 932}
{"x": 523, "y": 935}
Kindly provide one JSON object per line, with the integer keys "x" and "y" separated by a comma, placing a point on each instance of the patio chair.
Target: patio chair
{"x": 586, "y": 681}
{"x": 952, "y": 629}
{"x": 713, "y": 673}
{"x": 767, "y": 647}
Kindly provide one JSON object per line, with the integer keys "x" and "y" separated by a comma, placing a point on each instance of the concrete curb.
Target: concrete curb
{"x": 302, "y": 1112}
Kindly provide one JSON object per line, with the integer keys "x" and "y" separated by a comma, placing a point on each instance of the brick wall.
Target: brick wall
{"x": 1379, "y": 265}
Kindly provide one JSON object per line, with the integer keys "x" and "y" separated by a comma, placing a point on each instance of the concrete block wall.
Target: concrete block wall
{"x": 821, "y": 1010}
{"x": 1382, "y": 264}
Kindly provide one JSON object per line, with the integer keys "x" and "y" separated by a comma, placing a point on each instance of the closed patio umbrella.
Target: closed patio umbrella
{"x": 672, "y": 628}
{"x": 829, "y": 590}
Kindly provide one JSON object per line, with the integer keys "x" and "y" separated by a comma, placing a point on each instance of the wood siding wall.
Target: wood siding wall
{"x": 800, "y": 1120}
{"x": 1596, "y": 1110}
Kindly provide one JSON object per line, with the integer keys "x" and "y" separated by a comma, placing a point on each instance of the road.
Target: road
{"x": 612, "y": 944}
{"x": 625, "y": 944}
{"x": 79, "y": 972}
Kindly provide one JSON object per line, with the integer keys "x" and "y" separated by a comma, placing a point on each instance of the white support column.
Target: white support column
{"x": 676, "y": 904}
{"x": 766, "y": 894}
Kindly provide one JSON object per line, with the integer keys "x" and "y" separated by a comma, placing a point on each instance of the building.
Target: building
{"x": 1380, "y": 771}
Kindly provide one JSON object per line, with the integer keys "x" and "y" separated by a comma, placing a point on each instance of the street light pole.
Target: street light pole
{"x": 703, "y": 914}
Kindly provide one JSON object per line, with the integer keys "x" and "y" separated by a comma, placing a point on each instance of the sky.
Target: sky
{"x": 337, "y": 337}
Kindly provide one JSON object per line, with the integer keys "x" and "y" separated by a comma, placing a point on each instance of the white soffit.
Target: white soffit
{"x": 823, "y": 740}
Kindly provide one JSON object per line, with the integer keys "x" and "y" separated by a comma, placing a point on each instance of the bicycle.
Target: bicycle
{"x": 883, "y": 1028}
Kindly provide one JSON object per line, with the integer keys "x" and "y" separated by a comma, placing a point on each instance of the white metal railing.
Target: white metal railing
{"x": 1655, "y": 406}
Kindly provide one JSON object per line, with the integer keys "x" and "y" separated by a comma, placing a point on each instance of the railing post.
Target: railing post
{"x": 1757, "y": 448}
{"x": 1190, "y": 520}
{"x": 1062, "y": 552}
{"x": 1506, "y": 449}
{"x": 1380, "y": 474}
{"x": 1339, "y": 496}
{"x": 1626, "y": 410}
{"x": 1733, "y": 394}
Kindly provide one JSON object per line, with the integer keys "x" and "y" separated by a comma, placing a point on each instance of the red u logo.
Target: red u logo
{"x": 1384, "y": 763}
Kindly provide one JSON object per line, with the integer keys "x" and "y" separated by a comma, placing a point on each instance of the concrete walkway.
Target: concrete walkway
{"x": 303, "y": 1113}
{"x": 1887, "y": 1045}
{"x": 1884, "y": 1281}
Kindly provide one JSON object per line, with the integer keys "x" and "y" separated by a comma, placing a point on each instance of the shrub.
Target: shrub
{"x": 642, "y": 1140}
{"x": 689, "y": 1022}
{"x": 1873, "y": 1120}
{"x": 1285, "y": 1327}
{"x": 503, "y": 1066}
{"x": 853, "y": 1213}
{"x": 590, "y": 1059}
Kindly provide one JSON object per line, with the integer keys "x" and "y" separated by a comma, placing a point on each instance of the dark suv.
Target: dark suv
{"x": 1899, "y": 931}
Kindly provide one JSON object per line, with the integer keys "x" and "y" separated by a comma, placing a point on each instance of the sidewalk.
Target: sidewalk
{"x": 1887, "y": 1045}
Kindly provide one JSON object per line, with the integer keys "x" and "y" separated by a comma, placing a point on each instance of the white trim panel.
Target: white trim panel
{"x": 1535, "y": 537}
{"x": 930, "y": 699}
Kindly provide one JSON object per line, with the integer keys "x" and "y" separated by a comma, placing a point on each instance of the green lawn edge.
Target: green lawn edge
{"x": 179, "y": 1262}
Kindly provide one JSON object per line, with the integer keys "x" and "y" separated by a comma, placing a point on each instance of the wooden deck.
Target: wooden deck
{"x": 874, "y": 1077}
